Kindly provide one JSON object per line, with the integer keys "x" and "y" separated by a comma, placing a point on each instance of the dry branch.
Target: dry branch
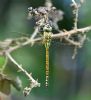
{"x": 54, "y": 36}
{"x": 34, "y": 83}
{"x": 6, "y": 46}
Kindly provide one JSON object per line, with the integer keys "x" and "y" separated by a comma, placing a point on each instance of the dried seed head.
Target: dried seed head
{"x": 46, "y": 15}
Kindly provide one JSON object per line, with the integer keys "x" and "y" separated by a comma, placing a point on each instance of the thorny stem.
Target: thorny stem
{"x": 72, "y": 42}
{"x": 53, "y": 36}
{"x": 33, "y": 82}
{"x": 32, "y": 40}
{"x": 75, "y": 52}
{"x": 71, "y": 32}
{"x": 75, "y": 12}
{"x": 34, "y": 33}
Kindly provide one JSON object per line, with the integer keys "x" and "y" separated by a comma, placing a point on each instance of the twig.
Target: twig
{"x": 6, "y": 46}
{"x": 53, "y": 36}
{"x": 72, "y": 42}
{"x": 34, "y": 33}
{"x": 75, "y": 12}
{"x": 32, "y": 37}
{"x": 34, "y": 83}
{"x": 75, "y": 52}
{"x": 72, "y": 32}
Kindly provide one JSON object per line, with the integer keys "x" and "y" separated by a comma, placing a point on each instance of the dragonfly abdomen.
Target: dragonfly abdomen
{"x": 47, "y": 66}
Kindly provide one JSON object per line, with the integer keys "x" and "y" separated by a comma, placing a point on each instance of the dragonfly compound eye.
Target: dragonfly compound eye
{"x": 47, "y": 28}
{"x": 30, "y": 9}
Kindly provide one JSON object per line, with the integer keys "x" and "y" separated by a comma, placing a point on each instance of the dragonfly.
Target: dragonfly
{"x": 47, "y": 32}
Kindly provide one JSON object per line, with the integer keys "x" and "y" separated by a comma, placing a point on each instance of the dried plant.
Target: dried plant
{"x": 46, "y": 19}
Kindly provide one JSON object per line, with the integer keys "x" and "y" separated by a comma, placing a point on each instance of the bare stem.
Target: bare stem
{"x": 53, "y": 36}
{"x": 6, "y": 46}
{"x": 75, "y": 13}
{"x": 34, "y": 33}
{"x": 72, "y": 42}
{"x": 34, "y": 83}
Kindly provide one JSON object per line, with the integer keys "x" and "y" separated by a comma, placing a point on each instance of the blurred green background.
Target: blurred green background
{"x": 69, "y": 79}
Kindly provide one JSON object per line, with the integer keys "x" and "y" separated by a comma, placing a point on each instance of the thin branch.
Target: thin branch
{"x": 72, "y": 42}
{"x": 54, "y": 36}
{"x": 75, "y": 52}
{"x": 39, "y": 39}
{"x": 75, "y": 12}
{"x": 34, "y": 83}
{"x": 6, "y": 46}
{"x": 71, "y": 32}
{"x": 20, "y": 67}
{"x": 34, "y": 34}
{"x": 32, "y": 37}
